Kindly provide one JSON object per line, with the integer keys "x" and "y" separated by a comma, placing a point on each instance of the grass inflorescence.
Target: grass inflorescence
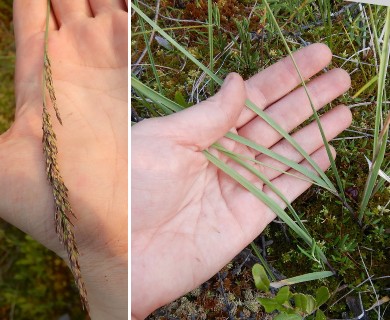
{"x": 63, "y": 209}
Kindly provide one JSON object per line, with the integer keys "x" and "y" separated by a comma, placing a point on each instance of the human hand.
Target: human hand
{"x": 88, "y": 52}
{"x": 188, "y": 218}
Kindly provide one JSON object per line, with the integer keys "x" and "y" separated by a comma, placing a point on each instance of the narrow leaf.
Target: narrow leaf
{"x": 263, "y": 197}
{"x": 380, "y": 173}
{"x": 302, "y": 278}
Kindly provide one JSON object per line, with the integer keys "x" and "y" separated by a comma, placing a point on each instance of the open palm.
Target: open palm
{"x": 88, "y": 52}
{"x": 188, "y": 218}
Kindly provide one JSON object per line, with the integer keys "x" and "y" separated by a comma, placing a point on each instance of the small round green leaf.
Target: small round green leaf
{"x": 269, "y": 305}
{"x": 260, "y": 277}
{"x": 310, "y": 304}
{"x": 322, "y": 295}
{"x": 285, "y": 316}
{"x": 300, "y": 301}
{"x": 320, "y": 315}
{"x": 283, "y": 295}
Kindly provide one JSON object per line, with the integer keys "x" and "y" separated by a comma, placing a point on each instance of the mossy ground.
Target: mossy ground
{"x": 344, "y": 242}
{"x": 34, "y": 282}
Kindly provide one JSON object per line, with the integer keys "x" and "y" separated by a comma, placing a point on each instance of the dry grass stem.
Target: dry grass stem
{"x": 63, "y": 209}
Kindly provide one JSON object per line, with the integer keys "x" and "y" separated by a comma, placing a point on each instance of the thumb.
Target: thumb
{"x": 205, "y": 123}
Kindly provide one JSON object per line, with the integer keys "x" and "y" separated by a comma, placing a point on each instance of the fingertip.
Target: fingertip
{"x": 343, "y": 78}
{"x": 234, "y": 78}
{"x": 345, "y": 115}
{"x": 323, "y": 51}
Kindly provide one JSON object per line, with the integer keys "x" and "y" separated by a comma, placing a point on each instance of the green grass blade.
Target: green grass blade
{"x": 366, "y": 86}
{"x": 248, "y": 103}
{"x": 150, "y": 55}
{"x": 155, "y": 96}
{"x": 267, "y": 182}
{"x": 333, "y": 164}
{"x": 384, "y": 62}
{"x": 133, "y": 34}
{"x": 372, "y": 177}
{"x": 374, "y": 31}
{"x": 265, "y": 199}
{"x": 251, "y": 159}
{"x": 380, "y": 139}
{"x": 176, "y": 45}
{"x": 152, "y": 109}
{"x": 303, "y": 278}
{"x": 211, "y": 44}
{"x": 292, "y": 141}
{"x": 263, "y": 261}
{"x": 174, "y": 107}
{"x": 292, "y": 164}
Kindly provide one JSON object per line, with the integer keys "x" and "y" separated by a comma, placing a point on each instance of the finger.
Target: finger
{"x": 67, "y": 11}
{"x": 309, "y": 138}
{"x": 279, "y": 79}
{"x": 30, "y": 19}
{"x": 208, "y": 121}
{"x": 101, "y": 6}
{"x": 294, "y": 109}
{"x": 292, "y": 186}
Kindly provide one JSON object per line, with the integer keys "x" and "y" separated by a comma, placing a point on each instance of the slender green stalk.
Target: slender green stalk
{"x": 374, "y": 31}
{"x": 384, "y": 62}
{"x": 380, "y": 139}
{"x": 268, "y": 201}
{"x": 265, "y": 199}
{"x": 155, "y": 96}
{"x": 366, "y": 86}
{"x": 326, "y": 144}
{"x": 248, "y": 103}
{"x": 133, "y": 34}
{"x": 175, "y": 107}
{"x": 153, "y": 110}
{"x": 267, "y": 182}
{"x": 263, "y": 164}
{"x": 355, "y": 52}
{"x": 166, "y": 104}
{"x": 176, "y": 45}
{"x": 150, "y": 55}
{"x": 263, "y": 261}
{"x": 211, "y": 42}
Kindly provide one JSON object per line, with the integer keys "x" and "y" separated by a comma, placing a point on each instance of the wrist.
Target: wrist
{"x": 107, "y": 289}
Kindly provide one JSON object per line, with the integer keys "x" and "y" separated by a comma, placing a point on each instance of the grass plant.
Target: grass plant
{"x": 330, "y": 220}
{"x": 381, "y": 126}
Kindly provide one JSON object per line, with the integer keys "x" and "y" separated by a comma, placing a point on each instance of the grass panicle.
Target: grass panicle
{"x": 50, "y": 86}
{"x": 63, "y": 209}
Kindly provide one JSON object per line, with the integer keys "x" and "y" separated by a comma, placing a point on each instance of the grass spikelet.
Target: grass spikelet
{"x": 50, "y": 86}
{"x": 63, "y": 209}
